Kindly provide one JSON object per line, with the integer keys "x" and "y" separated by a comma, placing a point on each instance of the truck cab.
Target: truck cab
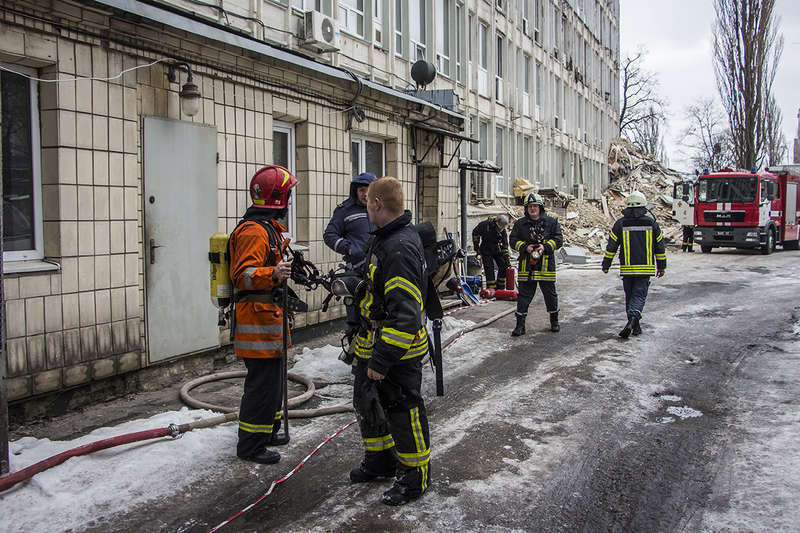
{"x": 741, "y": 209}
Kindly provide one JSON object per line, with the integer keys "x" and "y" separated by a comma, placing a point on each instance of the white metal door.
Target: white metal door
{"x": 180, "y": 214}
{"x": 790, "y": 231}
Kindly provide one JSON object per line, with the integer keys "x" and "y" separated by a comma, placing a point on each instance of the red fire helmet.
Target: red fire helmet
{"x": 270, "y": 187}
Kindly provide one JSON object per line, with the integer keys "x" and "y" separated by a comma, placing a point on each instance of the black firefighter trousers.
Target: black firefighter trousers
{"x": 394, "y": 424}
{"x": 527, "y": 290}
{"x": 490, "y": 261}
{"x": 260, "y": 410}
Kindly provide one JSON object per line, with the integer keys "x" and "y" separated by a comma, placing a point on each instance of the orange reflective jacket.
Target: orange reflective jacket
{"x": 259, "y": 325}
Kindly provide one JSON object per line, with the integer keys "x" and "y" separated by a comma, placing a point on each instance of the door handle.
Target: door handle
{"x": 153, "y": 247}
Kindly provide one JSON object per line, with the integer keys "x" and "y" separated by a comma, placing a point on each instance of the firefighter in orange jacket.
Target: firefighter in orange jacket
{"x": 256, "y": 268}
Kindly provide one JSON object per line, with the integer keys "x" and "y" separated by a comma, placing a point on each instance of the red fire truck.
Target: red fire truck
{"x": 741, "y": 209}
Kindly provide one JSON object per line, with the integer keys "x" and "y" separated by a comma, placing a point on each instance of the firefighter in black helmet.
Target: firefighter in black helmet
{"x": 490, "y": 240}
{"x": 536, "y": 237}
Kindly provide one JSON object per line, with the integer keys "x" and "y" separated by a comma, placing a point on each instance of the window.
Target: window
{"x": 283, "y": 154}
{"x": 377, "y": 21}
{"x": 398, "y": 28}
{"x": 538, "y": 17}
{"x": 527, "y": 157}
{"x": 416, "y": 16}
{"x": 499, "y": 68}
{"x": 323, "y": 6}
{"x": 351, "y": 16}
{"x": 526, "y": 17}
{"x": 443, "y": 22}
{"x": 459, "y": 41}
{"x": 526, "y": 86}
{"x": 498, "y": 159}
{"x": 539, "y": 88}
{"x": 22, "y": 181}
{"x": 483, "y": 132}
{"x": 557, "y": 101}
{"x": 367, "y": 155}
{"x": 483, "y": 60}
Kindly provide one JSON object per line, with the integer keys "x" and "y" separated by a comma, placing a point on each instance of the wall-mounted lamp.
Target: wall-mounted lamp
{"x": 190, "y": 94}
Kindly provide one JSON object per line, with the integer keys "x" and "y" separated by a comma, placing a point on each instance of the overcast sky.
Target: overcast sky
{"x": 677, "y": 36}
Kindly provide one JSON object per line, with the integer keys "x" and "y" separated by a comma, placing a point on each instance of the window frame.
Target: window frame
{"x": 311, "y": 5}
{"x": 361, "y": 140}
{"x": 442, "y": 9}
{"x": 415, "y": 47}
{"x": 344, "y": 5}
{"x": 37, "y": 252}
{"x": 289, "y": 129}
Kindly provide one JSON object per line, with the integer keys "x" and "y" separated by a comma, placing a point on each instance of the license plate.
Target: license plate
{"x": 725, "y": 233}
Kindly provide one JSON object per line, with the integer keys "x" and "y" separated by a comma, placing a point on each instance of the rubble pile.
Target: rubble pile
{"x": 586, "y": 223}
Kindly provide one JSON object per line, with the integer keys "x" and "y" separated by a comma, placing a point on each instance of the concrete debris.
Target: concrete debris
{"x": 588, "y": 222}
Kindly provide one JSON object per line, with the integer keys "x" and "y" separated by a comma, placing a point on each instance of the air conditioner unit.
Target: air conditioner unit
{"x": 320, "y": 32}
{"x": 485, "y": 186}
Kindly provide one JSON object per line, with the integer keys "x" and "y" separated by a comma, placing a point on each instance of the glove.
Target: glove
{"x": 368, "y": 404}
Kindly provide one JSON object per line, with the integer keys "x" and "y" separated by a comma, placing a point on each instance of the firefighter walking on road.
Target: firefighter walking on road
{"x": 490, "y": 240}
{"x": 640, "y": 242}
{"x": 256, "y": 268}
{"x": 687, "y": 245}
{"x": 536, "y": 237}
{"x": 388, "y": 351}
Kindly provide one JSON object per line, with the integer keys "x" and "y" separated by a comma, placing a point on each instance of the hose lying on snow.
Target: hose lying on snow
{"x": 294, "y": 401}
{"x": 173, "y": 430}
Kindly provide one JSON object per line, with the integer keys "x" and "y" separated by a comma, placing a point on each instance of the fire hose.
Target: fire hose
{"x": 175, "y": 430}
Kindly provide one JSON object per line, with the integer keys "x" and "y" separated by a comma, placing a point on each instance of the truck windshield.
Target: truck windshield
{"x": 729, "y": 189}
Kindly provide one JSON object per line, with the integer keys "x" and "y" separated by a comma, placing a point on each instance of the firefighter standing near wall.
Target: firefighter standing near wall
{"x": 256, "y": 268}
{"x": 490, "y": 240}
{"x": 348, "y": 232}
{"x": 639, "y": 240}
{"x": 536, "y": 237}
{"x": 388, "y": 351}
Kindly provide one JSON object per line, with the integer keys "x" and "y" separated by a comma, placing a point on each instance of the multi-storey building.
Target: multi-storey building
{"x": 116, "y": 171}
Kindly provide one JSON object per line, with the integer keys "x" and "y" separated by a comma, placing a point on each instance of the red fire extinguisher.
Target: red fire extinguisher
{"x": 510, "y": 278}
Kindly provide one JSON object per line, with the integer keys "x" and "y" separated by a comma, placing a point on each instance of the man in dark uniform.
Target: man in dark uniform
{"x": 490, "y": 240}
{"x": 348, "y": 231}
{"x": 687, "y": 245}
{"x": 640, "y": 241}
{"x": 388, "y": 351}
{"x": 536, "y": 237}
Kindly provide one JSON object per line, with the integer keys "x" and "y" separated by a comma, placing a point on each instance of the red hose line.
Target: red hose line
{"x": 27, "y": 473}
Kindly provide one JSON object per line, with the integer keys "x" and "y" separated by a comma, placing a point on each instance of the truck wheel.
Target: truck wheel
{"x": 706, "y": 249}
{"x": 769, "y": 246}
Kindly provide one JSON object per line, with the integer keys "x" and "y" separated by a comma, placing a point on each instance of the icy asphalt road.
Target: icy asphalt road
{"x": 691, "y": 427}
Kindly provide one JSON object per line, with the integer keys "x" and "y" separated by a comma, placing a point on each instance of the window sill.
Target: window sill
{"x": 27, "y": 267}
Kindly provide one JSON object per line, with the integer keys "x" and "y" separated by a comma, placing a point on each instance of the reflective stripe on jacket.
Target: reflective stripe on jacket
{"x": 640, "y": 242}
{"x": 259, "y": 326}
{"x": 552, "y": 239}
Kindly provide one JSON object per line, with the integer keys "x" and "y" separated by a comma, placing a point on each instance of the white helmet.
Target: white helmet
{"x": 636, "y": 199}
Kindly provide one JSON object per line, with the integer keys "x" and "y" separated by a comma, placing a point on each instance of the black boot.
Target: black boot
{"x": 279, "y": 440}
{"x": 637, "y": 327}
{"x": 626, "y": 331}
{"x": 554, "y": 322}
{"x": 407, "y": 486}
{"x": 265, "y": 457}
{"x": 374, "y": 466}
{"x": 520, "y": 328}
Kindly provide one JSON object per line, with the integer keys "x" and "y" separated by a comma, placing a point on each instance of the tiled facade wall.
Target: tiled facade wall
{"x": 85, "y": 321}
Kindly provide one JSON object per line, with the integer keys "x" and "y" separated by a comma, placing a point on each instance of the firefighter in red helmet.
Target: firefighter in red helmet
{"x": 256, "y": 267}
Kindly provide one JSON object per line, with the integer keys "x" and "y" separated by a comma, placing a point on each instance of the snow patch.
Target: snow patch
{"x": 670, "y": 398}
{"x": 684, "y": 412}
{"x": 322, "y": 365}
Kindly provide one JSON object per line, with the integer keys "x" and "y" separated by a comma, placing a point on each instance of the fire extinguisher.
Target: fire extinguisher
{"x": 220, "y": 279}
{"x": 510, "y": 278}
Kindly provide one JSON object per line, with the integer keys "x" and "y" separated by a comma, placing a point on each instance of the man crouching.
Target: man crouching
{"x": 389, "y": 349}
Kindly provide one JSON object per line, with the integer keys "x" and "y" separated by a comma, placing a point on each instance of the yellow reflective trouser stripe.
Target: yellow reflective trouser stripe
{"x": 255, "y": 428}
{"x": 398, "y": 338}
{"x": 613, "y": 236}
{"x": 402, "y": 283}
{"x": 378, "y": 444}
{"x": 421, "y": 458}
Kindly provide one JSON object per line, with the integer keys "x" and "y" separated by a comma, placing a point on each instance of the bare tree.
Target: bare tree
{"x": 775, "y": 148}
{"x": 707, "y": 137}
{"x": 747, "y": 48}
{"x": 648, "y": 135}
{"x": 640, "y": 100}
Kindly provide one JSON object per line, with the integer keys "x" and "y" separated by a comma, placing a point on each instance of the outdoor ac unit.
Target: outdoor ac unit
{"x": 320, "y": 32}
{"x": 486, "y": 186}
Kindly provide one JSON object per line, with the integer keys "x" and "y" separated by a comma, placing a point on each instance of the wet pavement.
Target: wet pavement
{"x": 690, "y": 427}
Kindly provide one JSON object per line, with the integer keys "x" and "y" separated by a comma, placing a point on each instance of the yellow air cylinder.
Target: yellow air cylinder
{"x": 221, "y": 286}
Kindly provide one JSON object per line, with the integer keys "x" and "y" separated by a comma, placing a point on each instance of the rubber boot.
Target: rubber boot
{"x": 554, "y": 326}
{"x": 265, "y": 457}
{"x": 520, "y": 328}
{"x": 691, "y": 249}
{"x": 407, "y": 486}
{"x": 637, "y": 327}
{"x": 375, "y": 465}
{"x": 626, "y": 331}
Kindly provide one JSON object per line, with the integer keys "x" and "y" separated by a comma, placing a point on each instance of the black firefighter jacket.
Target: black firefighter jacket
{"x": 488, "y": 239}
{"x": 640, "y": 243}
{"x": 394, "y": 300}
{"x": 548, "y": 230}
{"x": 349, "y": 227}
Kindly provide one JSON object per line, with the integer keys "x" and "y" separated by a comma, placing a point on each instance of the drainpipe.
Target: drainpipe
{"x": 3, "y": 401}
{"x": 462, "y": 184}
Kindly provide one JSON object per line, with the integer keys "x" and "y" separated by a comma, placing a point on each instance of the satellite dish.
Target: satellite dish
{"x": 423, "y": 73}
